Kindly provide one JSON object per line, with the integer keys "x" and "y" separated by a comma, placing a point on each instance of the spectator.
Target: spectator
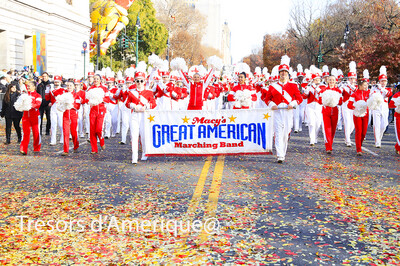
{"x": 3, "y": 82}
{"x": 44, "y": 107}
{"x": 11, "y": 115}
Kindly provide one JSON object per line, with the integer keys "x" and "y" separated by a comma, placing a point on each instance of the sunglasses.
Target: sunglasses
{"x": 139, "y": 81}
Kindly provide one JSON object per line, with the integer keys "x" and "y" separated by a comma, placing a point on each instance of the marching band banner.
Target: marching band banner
{"x": 196, "y": 133}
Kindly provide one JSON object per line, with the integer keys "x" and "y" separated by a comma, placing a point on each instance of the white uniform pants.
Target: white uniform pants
{"x": 340, "y": 118}
{"x": 314, "y": 114}
{"x": 298, "y": 117}
{"x": 56, "y": 118}
{"x": 111, "y": 120}
{"x": 86, "y": 112}
{"x": 283, "y": 123}
{"x": 125, "y": 117}
{"x": 80, "y": 122}
{"x": 381, "y": 121}
{"x": 137, "y": 129}
{"x": 120, "y": 106}
{"x": 348, "y": 123}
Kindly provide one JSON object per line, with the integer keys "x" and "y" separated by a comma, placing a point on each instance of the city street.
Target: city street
{"x": 315, "y": 208}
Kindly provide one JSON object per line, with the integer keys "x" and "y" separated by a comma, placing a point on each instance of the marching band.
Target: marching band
{"x": 107, "y": 104}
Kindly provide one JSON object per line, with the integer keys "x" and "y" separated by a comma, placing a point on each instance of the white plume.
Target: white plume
{"x": 215, "y": 62}
{"x": 375, "y": 101}
{"x": 334, "y": 72}
{"x": 141, "y": 67}
{"x": 315, "y": 70}
{"x": 109, "y": 73}
{"x": 164, "y": 66}
{"x": 382, "y": 71}
{"x": 258, "y": 70}
{"x": 242, "y": 67}
{"x": 178, "y": 64}
{"x": 95, "y": 96}
{"x": 308, "y": 73}
{"x": 366, "y": 74}
{"x": 340, "y": 72}
{"x": 299, "y": 68}
{"x": 23, "y": 103}
{"x": 360, "y": 108}
{"x": 65, "y": 102}
{"x": 265, "y": 71}
{"x": 330, "y": 98}
{"x": 155, "y": 61}
{"x": 285, "y": 60}
{"x": 119, "y": 75}
{"x": 130, "y": 72}
{"x": 325, "y": 69}
{"x": 275, "y": 71}
{"x": 353, "y": 67}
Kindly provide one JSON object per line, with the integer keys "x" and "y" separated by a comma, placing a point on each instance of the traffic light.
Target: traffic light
{"x": 126, "y": 43}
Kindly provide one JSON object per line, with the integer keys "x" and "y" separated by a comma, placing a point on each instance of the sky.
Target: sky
{"x": 250, "y": 20}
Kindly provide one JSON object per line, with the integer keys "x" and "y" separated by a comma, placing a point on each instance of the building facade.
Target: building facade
{"x": 45, "y": 34}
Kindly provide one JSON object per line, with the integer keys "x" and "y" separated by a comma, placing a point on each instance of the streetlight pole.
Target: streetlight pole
{"x": 137, "y": 38}
{"x": 320, "y": 52}
{"x": 98, "y": 43}
{"x": 168, "y": 48}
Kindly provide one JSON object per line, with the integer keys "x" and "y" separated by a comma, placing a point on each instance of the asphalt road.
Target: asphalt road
{"x": 313, "y": 209}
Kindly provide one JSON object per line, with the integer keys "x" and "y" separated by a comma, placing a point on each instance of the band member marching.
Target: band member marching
{"x": 314, "y": 108}
{"x": 282, "y": 97}
{"x": 139, "y": 99}
{"x": 358, "y": 103}
{"x": 380, "y": 114}
{"x": 29, "y": 103}
{"x": 70, "y": 116}
{"x": 96, "y": 97}
{"x": 348, "y": 89}
{"x": 331, "y": 99}
{"x": 395, "y": 103}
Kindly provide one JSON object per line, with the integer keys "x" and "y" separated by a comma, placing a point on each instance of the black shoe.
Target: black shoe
{"x": 122, "y": 143}
{"x": 47, "y": 133}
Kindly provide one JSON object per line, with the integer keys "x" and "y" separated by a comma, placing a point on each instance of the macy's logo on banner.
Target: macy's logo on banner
{"x": 203, "y": 120}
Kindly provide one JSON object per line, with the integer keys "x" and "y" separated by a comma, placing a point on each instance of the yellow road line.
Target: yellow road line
{"x": 212, "y": 203}
{"x": 194, "y": 203}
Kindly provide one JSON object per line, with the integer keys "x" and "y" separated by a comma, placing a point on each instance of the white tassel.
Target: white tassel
{"x": 360, "y": 108}
{"x": 330, "y": 98}
{"x": 178, "y": 64}
{"x": 215, "y": 62}
{"x": 95, "y": 96}
{"x": 375, "y": 101}
{"x": 65, "y": 102}
{"x": 23, "y": 103}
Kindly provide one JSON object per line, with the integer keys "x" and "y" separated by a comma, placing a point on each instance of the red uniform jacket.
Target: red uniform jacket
{"x": 391, "y": 104}
{"x": 358, "y": 95}
{"x": 283, "y": 94}
{"x": 36, "y": 102}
